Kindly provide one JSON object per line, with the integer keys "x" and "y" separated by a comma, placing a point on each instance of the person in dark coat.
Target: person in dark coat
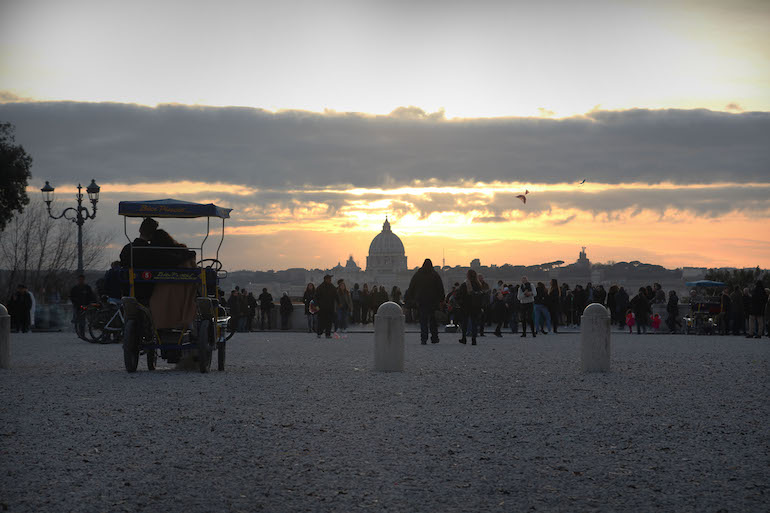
{"x": 641, "y": 308}
{"x": 725, "y": 314}
{"x": 672, "y": 308}
{"x": 308, "y": 298}
{"x": 553, "y": 304}
{"x": 498, "y": 312}
{"x": 736, "y": 304}
{"x": 326, "y": 301}
{"x": 470, "y": 299}
{"x": 621, "y": 305}
{"x": 251, "y": 305}
{"x": 265, "y": 305}
{"x": 19, "y": 308}
{"x": 80, "y": 295}
{"x": 426, "y": 292}
{"x": 234, "y": 303}
{"x": 139, "y": 258}
{"x": 757, "y": 310}
{"x": 285, "y": 310}
{"x": 112, "y": 287}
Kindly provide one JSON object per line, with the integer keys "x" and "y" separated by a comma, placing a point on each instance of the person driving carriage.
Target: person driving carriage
{"x": 172, "y": 304}
{"x": 143, "y": 291}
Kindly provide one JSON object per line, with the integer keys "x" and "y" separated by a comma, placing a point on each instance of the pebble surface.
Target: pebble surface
{"x": 296, "y": 423}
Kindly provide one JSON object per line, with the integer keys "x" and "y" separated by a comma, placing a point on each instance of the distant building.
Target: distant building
{"x": 386, "y": 252}
{"x": 476, "y": 263}
{"x": 583, "y": 259}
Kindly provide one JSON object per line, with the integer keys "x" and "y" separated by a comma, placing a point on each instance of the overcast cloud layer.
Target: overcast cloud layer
{"x": 130, "y": 143}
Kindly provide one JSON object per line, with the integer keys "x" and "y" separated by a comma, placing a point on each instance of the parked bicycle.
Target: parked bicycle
{"x": 106, "y": 321}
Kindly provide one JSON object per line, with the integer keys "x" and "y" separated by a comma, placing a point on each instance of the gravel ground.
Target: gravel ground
{"x": 302, "y": 424}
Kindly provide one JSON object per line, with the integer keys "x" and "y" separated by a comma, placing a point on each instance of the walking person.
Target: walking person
{"x": 326, "y": 302}
{"x": 498, "y": 312}
{"x": 426, "y": 292}
{"x": 307, "y": 298}
{"x": 526, "y": 296}
{"x": 265, "y": 308}
{"x": 470, "y": 298}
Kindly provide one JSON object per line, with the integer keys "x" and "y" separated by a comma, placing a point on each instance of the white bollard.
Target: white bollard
{"x": 389, "y": 338}
{"x": 595, "y": 345}
{"x": 5, "y": 338}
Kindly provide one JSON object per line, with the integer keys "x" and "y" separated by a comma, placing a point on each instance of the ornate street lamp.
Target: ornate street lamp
{"x": 79, "y": 214}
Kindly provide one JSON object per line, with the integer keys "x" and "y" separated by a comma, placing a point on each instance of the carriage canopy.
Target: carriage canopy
{"x": 171, "y": 208}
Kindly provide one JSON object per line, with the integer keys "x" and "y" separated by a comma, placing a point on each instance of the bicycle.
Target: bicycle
{"x": 106, "y": 321}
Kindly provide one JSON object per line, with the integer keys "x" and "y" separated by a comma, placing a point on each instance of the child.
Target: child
{"x": 656, "y": 322}
{"x": 630, "y": 320}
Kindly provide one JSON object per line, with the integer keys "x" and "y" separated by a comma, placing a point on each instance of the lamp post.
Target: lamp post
{"x": 80, "y": 213}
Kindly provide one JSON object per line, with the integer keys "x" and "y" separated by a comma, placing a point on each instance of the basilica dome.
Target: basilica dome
{"x": 386, "y": 252}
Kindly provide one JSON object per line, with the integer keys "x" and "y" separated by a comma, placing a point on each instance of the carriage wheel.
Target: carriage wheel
{"x": 131, "y": 346}
{"x": 220, "y": 356}
{"x": 152, "y": 359}
{"x": 205, "y": 345}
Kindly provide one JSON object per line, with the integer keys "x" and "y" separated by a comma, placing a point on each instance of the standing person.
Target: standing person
{"x": 285, "y": 310}
{"x": 621, "y": 304}
{"x": 641, "y": 308}
{"x": 725, "y": 305}
{"x": 672, "y": 308}
{"x": 469, "y": 297}
{"x": 512, "y": 304}
{"x": 736, "y": 304}
{"x": 542, "y": 315}
{"x": 355, "y": 297}
{"x": 80, "y": 295}
{"x": 307, "y": 298}
{"x": 426, "y": 292}
{"x": 265, "y": 306}
{"x": 553, "y": 304}
{"x": 498, "y": 311}
{"x": 451, "y": 304}
{"x": 757, "y": 311}
{"x": 344, "y": 306}
{"x": 612, "y": 304}
{"x": 395, "y": 294}
{"x": 112, "y": 286}
{"x": 580, "y": 298}
{"x": 660, "y": 296}
{"x": 366, "y": 303}
{"x": 326, "y": 301}
{"x": 234, "y": 304}
{"x": 600, "y": 295}
{"x": 526, "y": 296}
{"x": 484, "y": 317}
{"x": 251, "y": 304}
{"x": 19, "y": 307}
{"x": 243, "y": 306}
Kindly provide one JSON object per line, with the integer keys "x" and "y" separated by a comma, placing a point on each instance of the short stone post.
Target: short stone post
{"x": 595, "y": 345}
{"x": 5, "y": 338}
{"x": 389, "y": 338}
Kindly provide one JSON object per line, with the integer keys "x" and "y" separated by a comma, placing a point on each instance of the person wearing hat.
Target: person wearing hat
{"x": 326, "y": 301}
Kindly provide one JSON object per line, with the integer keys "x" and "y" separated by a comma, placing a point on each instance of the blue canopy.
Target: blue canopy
{"x": 171, "y": 208}
{"x": 704, "y": 283}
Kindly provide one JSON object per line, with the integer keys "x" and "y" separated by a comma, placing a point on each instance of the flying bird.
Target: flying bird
{"x": 584, "y": 181}
{"x": 523, "y": 197}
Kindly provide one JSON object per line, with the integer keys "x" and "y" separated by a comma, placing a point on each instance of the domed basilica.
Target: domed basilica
{"x": 386, "y": 252}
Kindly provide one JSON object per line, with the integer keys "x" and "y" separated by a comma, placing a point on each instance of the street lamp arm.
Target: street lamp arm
{"x": 64, "y": 214}
{"x": 86, "y": 215}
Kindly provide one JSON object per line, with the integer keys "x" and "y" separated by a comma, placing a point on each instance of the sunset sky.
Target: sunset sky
{"x": 313, "y": 120}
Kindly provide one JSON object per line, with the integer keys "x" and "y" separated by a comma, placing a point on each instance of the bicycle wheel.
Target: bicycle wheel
{"x": 98, "y": 323}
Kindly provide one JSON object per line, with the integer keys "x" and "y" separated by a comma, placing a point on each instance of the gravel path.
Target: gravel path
{"x": 302, "y": 424}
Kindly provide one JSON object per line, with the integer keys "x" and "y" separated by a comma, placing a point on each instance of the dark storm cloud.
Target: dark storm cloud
{"x": 123, "y": 142}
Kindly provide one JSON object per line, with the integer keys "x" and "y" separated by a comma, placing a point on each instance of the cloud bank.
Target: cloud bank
{"x": 260, "y": 149}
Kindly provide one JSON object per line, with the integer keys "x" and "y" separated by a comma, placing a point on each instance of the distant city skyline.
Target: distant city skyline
{"x": 639, "y": 129}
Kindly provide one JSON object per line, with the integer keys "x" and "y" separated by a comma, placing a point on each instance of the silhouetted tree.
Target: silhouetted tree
{"x": 739, "y": 277}
{"x": 14, "y": 173}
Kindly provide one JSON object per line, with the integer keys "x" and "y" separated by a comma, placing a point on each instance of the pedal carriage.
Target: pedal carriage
{"x": 704, "y": 315}
{"x": 209, "y": 328}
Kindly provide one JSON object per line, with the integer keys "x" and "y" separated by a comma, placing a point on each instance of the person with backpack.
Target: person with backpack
{"x": 470, "y": 298}
{"x": 426, "y": 292}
